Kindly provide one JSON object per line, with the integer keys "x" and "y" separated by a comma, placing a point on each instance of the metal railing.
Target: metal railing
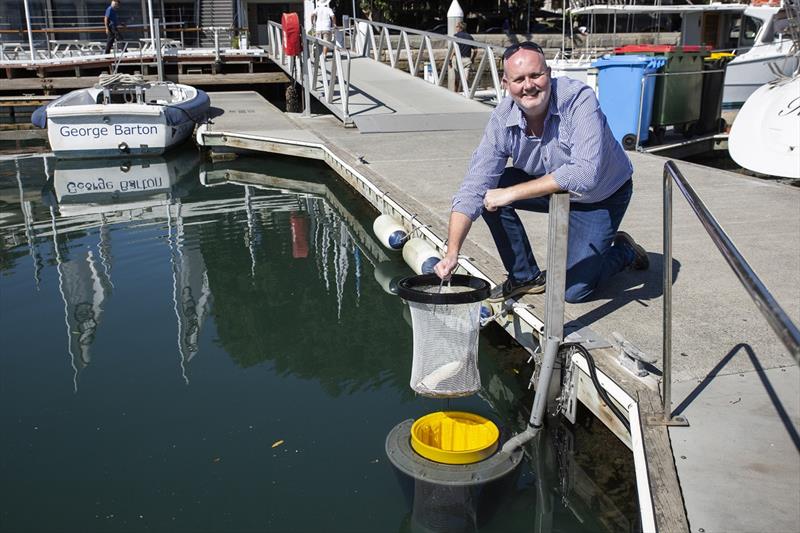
{"x": 777, "y": 318}
{"x": 376, "y": 38}
{"x": 328, "y": 81}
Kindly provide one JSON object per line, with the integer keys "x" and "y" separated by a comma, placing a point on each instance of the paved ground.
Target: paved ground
{"x": 732, "y": 378}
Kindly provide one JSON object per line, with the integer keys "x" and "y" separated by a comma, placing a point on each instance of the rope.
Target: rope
{"x": 108, "y": 80}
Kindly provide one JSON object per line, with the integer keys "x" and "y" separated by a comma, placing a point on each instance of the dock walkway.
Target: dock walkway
{"x": 738, "y": 463}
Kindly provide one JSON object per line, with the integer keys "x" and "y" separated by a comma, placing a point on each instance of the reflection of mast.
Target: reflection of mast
{"x": 104, "y": 247}
{"x": 342, "y": 265}
{"x": 176, "y": 250}
{"x": 250, "y": 237}
{"x": 83, "y": 289}
{"x": 191, "y": 294}
{"x": 27, "y": 213}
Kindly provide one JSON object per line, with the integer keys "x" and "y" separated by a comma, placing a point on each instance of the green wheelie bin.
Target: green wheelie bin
{"x": 677, "y": 100}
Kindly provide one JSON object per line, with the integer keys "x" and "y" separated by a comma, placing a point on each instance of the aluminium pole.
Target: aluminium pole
{"x": 150, "y": 21}
{"x": 30, "y": 33}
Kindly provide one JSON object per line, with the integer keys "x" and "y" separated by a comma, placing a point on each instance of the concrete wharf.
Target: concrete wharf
{"x": 736, "y": 467}
{"x": 404, "y": 144}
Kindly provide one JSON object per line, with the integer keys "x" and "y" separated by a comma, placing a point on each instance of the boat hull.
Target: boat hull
{"x": 765, "y": 137}
{"x": 749, "y": 71}
{"x": 112, "y": 131}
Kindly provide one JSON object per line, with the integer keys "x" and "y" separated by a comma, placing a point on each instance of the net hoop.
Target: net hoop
{"x": 409, "y": 289}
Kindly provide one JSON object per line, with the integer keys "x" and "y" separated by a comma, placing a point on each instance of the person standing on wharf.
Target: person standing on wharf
{"x": 558, "y": 140}
{"x": 112, "y": 27}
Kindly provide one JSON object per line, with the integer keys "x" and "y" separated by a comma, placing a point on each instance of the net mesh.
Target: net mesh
{"x": 445, "y": 362}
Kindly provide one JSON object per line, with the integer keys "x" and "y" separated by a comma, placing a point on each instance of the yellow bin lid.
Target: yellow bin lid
{"x": 454, "y": 437}
{"x": 720, "y": 55}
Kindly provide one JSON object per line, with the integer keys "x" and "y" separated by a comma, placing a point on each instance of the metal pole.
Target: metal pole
{"x": 30, "y": 33}
{"x": 150, "y": 21}
{"x": 557, "y": 235}
{"x": 157, "y": 46}
{"x": 549, "y": 381}
{"x": 529, "y": 17}
{"x": 667, "y": 322}
{"x": 305, "y": 79}
{"x": 641, "y": 104}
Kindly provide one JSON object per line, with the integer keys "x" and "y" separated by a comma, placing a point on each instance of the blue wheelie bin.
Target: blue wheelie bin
{"x": 619, "y": 90}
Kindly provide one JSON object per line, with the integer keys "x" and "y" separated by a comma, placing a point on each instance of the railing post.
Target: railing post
{"x": 666, "y": 418}
{"x": 667, "y": 322}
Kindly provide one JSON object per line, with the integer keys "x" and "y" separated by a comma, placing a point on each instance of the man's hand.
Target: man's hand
{"x": 497, "y": 198}
{"x": 446, "y": 266}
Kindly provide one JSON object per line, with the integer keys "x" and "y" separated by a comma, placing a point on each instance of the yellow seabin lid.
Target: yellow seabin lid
{"x": 454, "y": 437}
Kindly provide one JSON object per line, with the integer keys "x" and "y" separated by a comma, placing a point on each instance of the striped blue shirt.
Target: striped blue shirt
{"x": 576, "y": 146}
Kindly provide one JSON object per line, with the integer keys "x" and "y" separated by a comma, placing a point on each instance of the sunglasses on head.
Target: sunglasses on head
{"x": 527, "y": 45}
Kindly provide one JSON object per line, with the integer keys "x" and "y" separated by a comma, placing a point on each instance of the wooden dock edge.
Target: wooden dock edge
{"x": 668, "y": 505}
{"x": 657, "y": 487}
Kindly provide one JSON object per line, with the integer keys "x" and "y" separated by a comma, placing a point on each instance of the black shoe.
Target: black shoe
{"x": 510, "y": 289}
{"x": 640, "y": 259}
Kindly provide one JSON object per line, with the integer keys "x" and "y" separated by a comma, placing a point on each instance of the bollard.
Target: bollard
{"x": 454, "y": 15}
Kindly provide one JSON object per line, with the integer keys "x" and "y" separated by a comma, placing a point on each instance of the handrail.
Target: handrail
{"x": 366, "y": 30}
{"x": 777, "y": 318}
{"x": 119, "y": 56}
{"x": 322, "y": 79}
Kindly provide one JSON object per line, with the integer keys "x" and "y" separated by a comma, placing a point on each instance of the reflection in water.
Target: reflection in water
{"x": 269, "y": 277}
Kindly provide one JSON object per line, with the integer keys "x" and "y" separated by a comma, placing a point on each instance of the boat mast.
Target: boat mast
{"x": 30, "y": 33}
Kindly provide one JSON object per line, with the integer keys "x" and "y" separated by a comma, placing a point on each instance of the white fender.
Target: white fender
{"x": 390, "y": 232}
{"x": 420, "y": 255}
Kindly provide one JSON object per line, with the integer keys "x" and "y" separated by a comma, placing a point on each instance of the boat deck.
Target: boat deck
{"x": 738, "y": 462}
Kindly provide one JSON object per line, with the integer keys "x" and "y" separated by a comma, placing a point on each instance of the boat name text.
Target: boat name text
{"x": 792, "y": 107}
{"x": 101, "y": 131}
{"x": 102, "y": 185}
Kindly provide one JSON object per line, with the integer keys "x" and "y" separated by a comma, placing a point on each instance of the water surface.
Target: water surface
{"x": 185, "y": 353}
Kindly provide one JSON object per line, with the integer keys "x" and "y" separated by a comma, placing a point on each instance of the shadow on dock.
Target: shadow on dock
{"x": 768, "y": 388}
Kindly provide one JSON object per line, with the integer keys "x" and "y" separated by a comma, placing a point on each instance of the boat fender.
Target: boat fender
{"x": 390, "y": 232}
{"x": 420, "y": 255}
{"x": 292, "y": 34}
{"x": 123, "y": 147}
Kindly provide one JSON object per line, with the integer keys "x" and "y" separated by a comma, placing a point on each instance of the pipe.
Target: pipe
{"x": 540, "y": 399}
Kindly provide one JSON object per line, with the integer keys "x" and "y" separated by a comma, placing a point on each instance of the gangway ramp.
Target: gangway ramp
{"x": 375, "y": 97}
{"x": 387, "y": 100}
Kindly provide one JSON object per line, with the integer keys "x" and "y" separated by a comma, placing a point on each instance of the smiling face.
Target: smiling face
{"x": 527, "y": 78}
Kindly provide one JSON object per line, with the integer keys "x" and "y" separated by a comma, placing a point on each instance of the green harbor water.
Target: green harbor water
{"x": 195, "y": 347}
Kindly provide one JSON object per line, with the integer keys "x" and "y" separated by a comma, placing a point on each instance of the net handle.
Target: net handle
{"x": 409, "y": 289}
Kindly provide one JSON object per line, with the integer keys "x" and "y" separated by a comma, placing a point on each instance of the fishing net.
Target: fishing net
{"x": 446, "y": 321}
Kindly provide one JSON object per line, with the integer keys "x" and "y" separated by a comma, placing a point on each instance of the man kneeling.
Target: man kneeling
{"x": 558, "y": 140}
